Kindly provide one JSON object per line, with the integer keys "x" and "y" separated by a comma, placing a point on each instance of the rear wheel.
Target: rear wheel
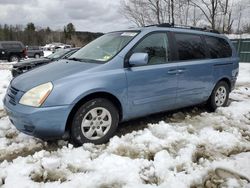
{"x": 14, "y": 58}
{"x": 94, "y": 122}
{"x": 219, "y": 96}
{"x": 37, "y": 56}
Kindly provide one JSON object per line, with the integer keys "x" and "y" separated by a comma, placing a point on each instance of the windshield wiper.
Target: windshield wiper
{"x": 75, "y": 59}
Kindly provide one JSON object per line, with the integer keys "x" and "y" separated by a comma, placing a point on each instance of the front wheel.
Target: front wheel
{"x": 14, "y": 58}
{"x": 219, "y": 96}
{"x": 94, "y": 122}
{"x": 37, "y": 56}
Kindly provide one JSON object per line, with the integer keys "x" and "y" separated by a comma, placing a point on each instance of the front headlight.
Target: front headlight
{"x": 37, "y": 95}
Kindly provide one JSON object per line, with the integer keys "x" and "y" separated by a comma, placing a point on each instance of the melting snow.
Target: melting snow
{"x": 192, "y": 148}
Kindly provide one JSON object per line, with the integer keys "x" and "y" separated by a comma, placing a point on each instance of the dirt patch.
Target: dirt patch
{"x": 28, "y": 150}
{"x": 42, "y": 175}
{"x": 134, "y": 152}
{"x": 245, "y": 134}
{"x": 2, "y": 113}
{"x": 219, "y": 178}
{"x": 148, "y": 175}
{"x": 76, "y": 169}
{"x": 11, "y": 134}
{"x": 20, "y": 152}
{"x": 112, "y": 184}
{"x": 204, "y": 153}
{"x": 236, "y": 150}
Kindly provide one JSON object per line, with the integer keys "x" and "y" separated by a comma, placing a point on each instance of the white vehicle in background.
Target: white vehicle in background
{"x": 54, "y": 46}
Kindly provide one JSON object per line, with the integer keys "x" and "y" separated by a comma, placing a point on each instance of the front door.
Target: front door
{"x": 152, "y": 88}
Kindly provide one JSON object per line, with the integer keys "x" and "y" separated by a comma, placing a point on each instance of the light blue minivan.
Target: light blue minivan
{"x": 120, "y": 76}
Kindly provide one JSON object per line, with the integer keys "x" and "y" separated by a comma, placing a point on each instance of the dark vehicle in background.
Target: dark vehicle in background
{"x": 34, "y": 52}
{"x": 12, "y": 51}
{"x": 26, "y": 65}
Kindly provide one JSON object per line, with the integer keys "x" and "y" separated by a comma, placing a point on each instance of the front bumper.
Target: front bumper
{"x": 45, "y": 122}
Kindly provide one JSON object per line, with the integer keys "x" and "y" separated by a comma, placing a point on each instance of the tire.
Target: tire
{"x": 14, "y": 58}
{"x": 219, "y": 96}
{"x": 37, "y": 56}
{"x": 94, "y": 114}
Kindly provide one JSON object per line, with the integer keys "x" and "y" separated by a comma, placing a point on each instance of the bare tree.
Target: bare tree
{"x": 135, "y": 11}
{"x": 209, "y": 8}
{"x": 143, "y": 12}
{"x": 218, "y": 14}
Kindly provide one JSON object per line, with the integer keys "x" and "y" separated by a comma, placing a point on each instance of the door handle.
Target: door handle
{"x": 172, "y": 71}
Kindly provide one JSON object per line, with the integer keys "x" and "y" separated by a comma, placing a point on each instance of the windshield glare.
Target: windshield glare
{"x": 104, "y": 48}
{"x": 57, "y": 54}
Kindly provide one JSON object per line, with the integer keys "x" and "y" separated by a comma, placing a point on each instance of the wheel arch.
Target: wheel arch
{"x": 86, "y": 98}
{"x": 227, "y": 80}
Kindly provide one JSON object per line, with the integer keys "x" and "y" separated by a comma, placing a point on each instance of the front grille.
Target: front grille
{"x": 12, "y": 93}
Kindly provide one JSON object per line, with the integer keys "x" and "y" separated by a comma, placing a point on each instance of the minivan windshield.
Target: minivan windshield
{"x": 104, "y": 48}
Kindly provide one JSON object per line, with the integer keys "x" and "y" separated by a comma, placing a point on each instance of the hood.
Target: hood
{"x": 49, "y": 73}
{"x": 32, "y": 62}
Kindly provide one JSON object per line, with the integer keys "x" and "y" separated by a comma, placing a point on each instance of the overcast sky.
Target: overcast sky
{"x": 86, "y": 15}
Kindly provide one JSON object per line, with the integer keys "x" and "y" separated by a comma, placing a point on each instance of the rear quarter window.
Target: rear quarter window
{"x": 190, "y": 46}
{"x": 218, "y": 47}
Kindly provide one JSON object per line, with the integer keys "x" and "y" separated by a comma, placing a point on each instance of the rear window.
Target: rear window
{"x": 190, "y": 46}
{"x": 33, "y": 48}
{"x": 218, "y": 47}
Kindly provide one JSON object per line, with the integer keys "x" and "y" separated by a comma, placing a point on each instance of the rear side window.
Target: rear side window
{"x": 11, "y": 46}
{"x": 218, "y": 47}
{"x": 156, "y": 46}
{"x": 189, "y": 46}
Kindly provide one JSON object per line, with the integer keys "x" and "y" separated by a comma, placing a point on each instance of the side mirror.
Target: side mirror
{"x": 138, "y": 59}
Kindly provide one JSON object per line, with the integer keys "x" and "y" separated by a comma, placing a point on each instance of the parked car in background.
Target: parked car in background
{"x": 55, "y": 46}
{"x": 120, "y": 76}
{"x": 12, "y": 51}
{"x": 34, "y": 52}
{"x": 29, "y": 64}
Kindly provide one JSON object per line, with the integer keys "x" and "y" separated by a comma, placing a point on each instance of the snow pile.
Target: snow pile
{"x": 188, "y": 148}
{"x": 5, "y": 78}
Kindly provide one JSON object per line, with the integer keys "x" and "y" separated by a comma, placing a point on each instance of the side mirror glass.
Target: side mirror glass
{"x": 138, "y": 59}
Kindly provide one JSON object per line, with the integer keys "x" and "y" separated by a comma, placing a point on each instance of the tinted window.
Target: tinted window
{"x": 33, "y": 48}
{"x": 218, "y": 47}
{"x": 156, "y": 45}
{"x": 190, "y": 46}
{"x": 11, "y": 46}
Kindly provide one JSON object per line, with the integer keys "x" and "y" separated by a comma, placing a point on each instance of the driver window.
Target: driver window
{"x": 156, "y": 46}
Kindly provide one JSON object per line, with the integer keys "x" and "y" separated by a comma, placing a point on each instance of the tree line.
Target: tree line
{"x": 38, "y": 36}
{"x": 222, "y": 15}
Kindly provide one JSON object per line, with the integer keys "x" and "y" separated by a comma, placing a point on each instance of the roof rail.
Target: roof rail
{"x": 185, "y": 27}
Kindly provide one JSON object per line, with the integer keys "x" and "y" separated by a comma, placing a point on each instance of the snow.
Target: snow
{"x": 46, "y": 53}
{"x": 190, "y": 147}
{"x": 239, "y": 36}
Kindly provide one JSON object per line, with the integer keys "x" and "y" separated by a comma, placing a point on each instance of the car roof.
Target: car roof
{"x": 180, "y": 29}
{"x": 11, "y": 42}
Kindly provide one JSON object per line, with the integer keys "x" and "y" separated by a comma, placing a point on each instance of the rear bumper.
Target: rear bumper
{"x": 46, "y": 123}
